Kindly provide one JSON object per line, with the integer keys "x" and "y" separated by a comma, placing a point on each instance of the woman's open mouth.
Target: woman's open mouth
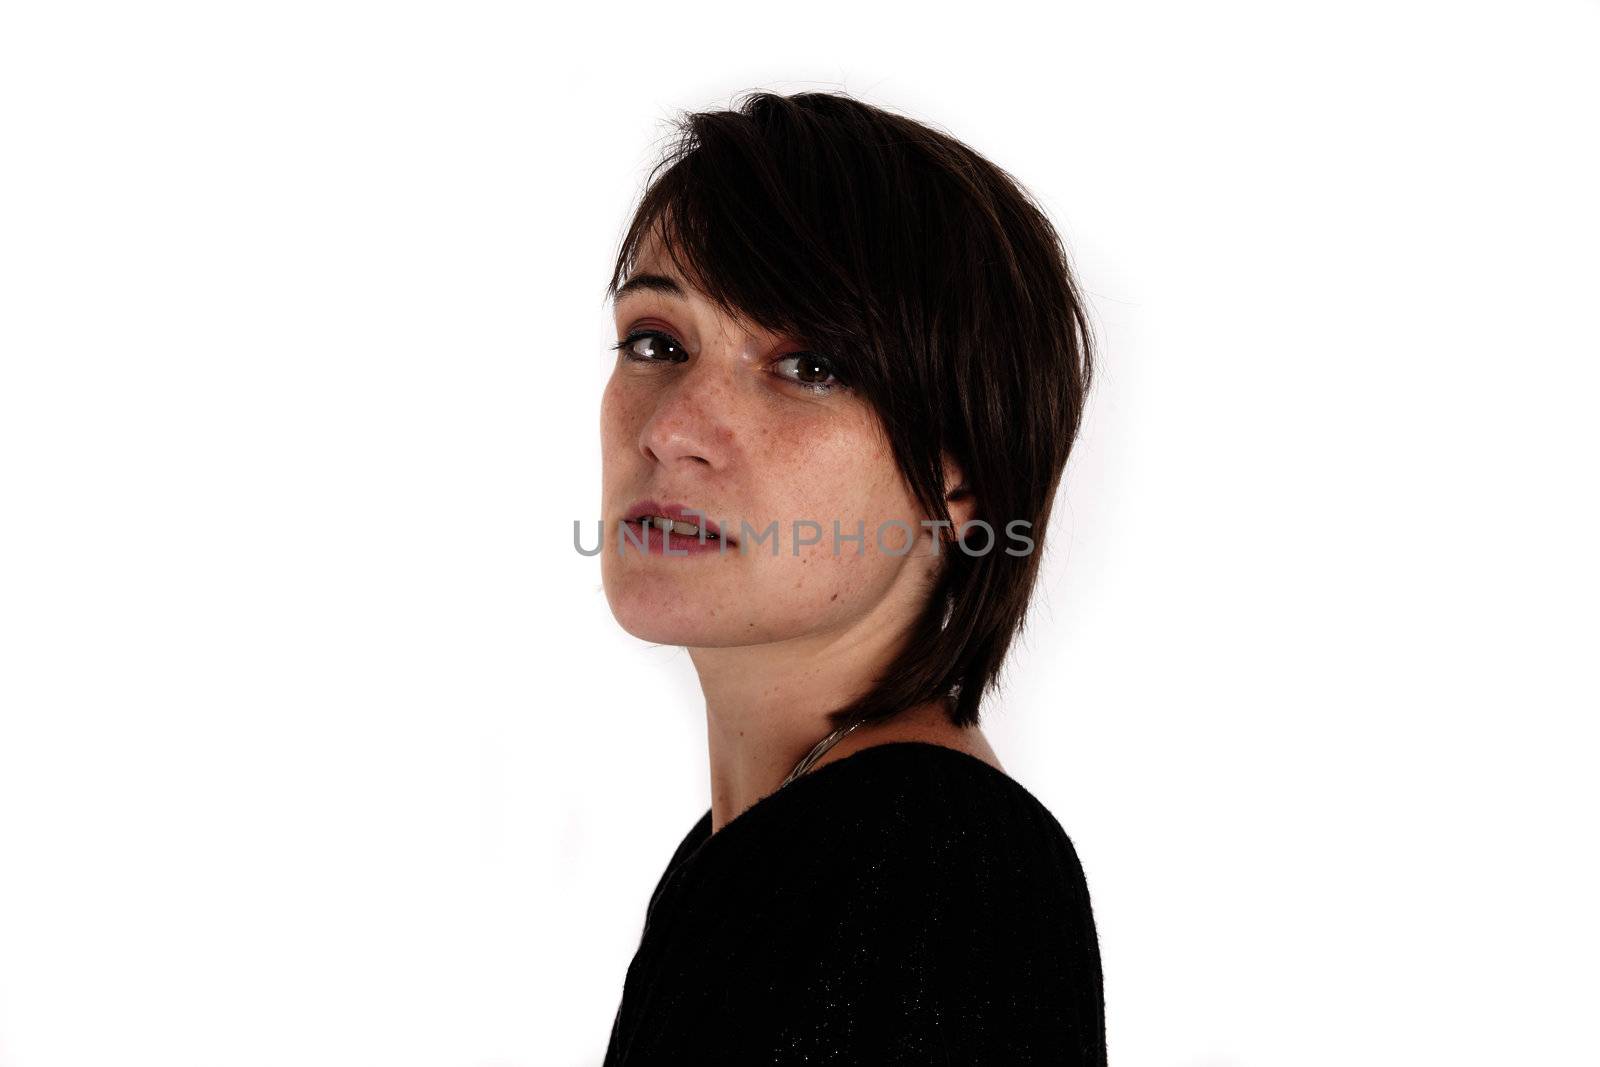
{"x": 671, "y": 530}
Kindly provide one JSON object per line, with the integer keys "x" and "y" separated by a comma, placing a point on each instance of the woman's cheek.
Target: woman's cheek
{"x": 621, "y": 408}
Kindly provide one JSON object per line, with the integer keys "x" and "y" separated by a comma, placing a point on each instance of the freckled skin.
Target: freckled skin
{"x": 724, "y": 433}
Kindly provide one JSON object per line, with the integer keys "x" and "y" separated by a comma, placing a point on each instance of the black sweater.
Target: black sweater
{"x": 907, "y": 904}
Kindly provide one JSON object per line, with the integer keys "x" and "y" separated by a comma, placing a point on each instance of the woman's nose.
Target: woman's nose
{"x": 690, "y": 421}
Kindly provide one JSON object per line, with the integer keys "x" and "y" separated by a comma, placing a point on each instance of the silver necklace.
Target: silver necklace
{"x": 817, "y": 752}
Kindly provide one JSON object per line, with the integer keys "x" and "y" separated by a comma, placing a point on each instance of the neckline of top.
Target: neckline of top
{"x": 701, "y": 835}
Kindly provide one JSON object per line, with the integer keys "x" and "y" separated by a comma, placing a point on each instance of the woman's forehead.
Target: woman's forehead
{"x": 660, "y": 278}
{"x": 655, "y": 256}
{"x": 659, "y": 267}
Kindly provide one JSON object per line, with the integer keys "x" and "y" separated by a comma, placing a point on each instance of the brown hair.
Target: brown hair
{"x": 941, "y": 291}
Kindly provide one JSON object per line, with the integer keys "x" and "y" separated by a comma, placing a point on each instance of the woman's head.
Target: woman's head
{"x": 875, "y": 331}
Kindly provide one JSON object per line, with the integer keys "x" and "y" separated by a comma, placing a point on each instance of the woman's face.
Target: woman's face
{"x": 704, "y": 415}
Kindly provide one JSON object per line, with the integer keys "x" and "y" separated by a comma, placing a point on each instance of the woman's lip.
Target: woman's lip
{"x": 677, "y": 512}
{"x": 651, "y": 541}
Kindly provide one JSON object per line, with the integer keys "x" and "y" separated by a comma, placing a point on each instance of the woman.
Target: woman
{"x": 851, "y": 363}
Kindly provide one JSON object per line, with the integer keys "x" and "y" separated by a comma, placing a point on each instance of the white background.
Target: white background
{"x": 319, "y": 745}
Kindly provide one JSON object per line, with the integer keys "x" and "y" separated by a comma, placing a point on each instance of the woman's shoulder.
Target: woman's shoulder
{"x": 909, "y": 899}
{"x": 918, "y": 884}
{"x": 929, "y": 785}
{"x": 897, "y": 811}
{"x": 929, "y": 806}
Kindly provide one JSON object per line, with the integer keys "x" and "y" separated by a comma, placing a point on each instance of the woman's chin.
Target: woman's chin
{"x": 668, "y": 620}
{"x": 664, "y": 629}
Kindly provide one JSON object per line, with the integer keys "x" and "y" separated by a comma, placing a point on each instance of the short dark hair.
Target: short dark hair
{"x": 942, "y": 293}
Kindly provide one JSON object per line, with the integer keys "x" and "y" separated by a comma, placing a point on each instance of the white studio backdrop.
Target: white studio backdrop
{"x": 319, "y": 746}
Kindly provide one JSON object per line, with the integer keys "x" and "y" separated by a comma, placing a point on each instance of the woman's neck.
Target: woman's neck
{"x": 749, "y": 765}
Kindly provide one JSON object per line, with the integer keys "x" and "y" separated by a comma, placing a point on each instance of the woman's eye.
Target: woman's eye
{"x": 651, "y": 346}
{"x": 810, "y": 370}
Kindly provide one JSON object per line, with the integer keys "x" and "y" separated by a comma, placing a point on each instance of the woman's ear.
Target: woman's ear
{"x": 958, "y": 497}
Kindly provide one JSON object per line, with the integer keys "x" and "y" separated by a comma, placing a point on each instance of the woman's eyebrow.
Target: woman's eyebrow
{"x": 649, "y": 283}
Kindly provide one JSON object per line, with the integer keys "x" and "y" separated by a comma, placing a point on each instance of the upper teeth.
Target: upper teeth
{"x": 665, "y": 524}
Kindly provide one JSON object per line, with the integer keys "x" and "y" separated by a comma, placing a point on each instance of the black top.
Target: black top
{"x": 907, "y": 904}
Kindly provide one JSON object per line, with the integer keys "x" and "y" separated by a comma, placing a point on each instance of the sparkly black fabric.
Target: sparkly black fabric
{"x": 907, "y": 904}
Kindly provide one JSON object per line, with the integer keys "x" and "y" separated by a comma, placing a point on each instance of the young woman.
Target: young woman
{"x": 851, "y": 363}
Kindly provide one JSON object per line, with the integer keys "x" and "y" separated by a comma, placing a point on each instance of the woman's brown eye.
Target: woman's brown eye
{"x": 651, "y": 346}
{"x": 810, "y": 370}
{"x": 813, "y": 369}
